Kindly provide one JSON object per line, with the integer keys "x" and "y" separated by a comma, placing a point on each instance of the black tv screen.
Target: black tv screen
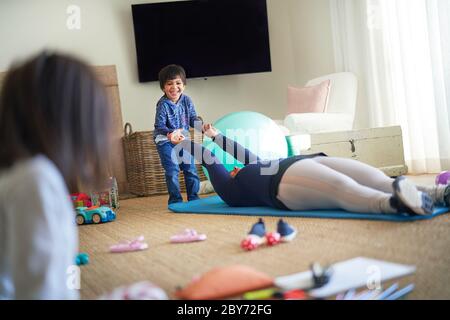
{"x": 206, "y": 37}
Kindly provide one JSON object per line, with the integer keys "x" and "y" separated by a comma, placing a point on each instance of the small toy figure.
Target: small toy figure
{"x": 188, "y": 235}
{"x": 85, "y": 215}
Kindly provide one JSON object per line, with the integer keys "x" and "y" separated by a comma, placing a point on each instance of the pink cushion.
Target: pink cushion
{"x": 312, "y": 99}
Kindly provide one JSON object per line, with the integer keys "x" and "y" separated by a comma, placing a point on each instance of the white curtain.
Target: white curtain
{"x": 400, "y": 51}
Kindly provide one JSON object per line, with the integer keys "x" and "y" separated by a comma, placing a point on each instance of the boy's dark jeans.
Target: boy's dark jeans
{"x": 172, "y": 170}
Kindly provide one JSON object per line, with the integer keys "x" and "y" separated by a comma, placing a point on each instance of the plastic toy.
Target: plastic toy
{"x": 188, "y": 235}
{"x": 129, "y": 245}
{"x": 443, "y": 178}
{"x": 253, "y": 130}
{"x": 81, "y": 200}
{"x": 109, "y": 197}
{"x": 94, "y": 215}
{"x": 82, "y": 259}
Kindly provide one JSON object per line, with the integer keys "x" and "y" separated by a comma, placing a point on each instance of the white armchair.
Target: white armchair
{"x": 340, "y": 112}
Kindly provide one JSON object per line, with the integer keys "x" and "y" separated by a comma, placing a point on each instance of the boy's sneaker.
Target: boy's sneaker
{"x": 258, "y": 229}
{"x": 286, "y": 231}
{"x": 407, "y": 198}
{"x": 255, "y": 237}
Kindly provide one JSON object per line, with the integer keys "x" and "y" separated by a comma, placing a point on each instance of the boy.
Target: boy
{"x": 175, "y": 113}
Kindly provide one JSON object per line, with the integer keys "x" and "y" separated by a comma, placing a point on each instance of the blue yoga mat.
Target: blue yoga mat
{"x": 215, "y": 205}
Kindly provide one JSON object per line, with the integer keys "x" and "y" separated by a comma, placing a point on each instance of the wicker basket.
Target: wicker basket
{"x": 144, "y": 171}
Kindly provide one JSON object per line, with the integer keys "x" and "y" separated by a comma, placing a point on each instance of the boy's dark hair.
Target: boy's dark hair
{"x": 54, "y": 105}
{"x": 170, "y": 72}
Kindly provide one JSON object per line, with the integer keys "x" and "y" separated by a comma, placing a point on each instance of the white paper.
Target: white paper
{"x": 360, "y": 272}
{"x": 300, "y": 280}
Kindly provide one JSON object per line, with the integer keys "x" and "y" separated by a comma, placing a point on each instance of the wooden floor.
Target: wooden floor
{"x": 424, "y": 244}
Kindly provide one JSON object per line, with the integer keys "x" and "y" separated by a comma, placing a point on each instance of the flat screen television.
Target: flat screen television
{"x": 206, "y": 37}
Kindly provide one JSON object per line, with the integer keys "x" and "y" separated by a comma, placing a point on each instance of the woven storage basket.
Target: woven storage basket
{"x": 144, "y": 171}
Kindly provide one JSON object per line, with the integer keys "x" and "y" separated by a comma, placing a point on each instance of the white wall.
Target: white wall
{"x": 300, "y": 41}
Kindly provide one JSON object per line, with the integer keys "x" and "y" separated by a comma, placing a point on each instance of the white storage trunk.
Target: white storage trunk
{"x": 379, "y": 147}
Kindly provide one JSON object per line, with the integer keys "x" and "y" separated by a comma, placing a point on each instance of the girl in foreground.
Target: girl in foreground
{"x": 54, "y": 137}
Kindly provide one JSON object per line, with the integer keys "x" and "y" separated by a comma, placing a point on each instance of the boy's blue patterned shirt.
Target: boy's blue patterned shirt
{"x": 171, "y": 116}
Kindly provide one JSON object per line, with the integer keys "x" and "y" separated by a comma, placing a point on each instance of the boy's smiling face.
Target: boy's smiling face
{"x": 173, "y": 89}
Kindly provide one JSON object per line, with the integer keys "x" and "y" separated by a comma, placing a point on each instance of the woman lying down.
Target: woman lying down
{"x": 309, "y": 182}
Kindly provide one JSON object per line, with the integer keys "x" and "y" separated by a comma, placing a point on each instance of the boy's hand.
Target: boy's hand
{"x": 176, "y": 136}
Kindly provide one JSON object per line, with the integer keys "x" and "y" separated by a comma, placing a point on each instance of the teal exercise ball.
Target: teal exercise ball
{"x": 255, "y": 131}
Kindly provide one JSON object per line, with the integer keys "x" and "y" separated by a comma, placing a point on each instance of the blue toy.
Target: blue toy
{"x": 82, "y": 259}
{"x": 85, "y": 215}
{"x": 253, "y": 130}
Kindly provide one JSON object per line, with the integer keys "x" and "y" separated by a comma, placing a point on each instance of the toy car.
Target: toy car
{"x": 85, "y": 215}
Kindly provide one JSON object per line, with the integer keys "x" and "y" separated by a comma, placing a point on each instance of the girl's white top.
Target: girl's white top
{"x": 38, "y": 235}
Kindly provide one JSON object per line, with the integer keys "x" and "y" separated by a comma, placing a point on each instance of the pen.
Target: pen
{"x": 275, "y": 294}
{"x": 401, "y": 293}
{"x": 367, "y": 295}
{"x": 387, "y": 292}
{"x": 360, "y": 296}
{"x": 260, "y": 294}
{"x": 350, "y": 294}
{"x": 295, "y": 294}
{"x": 340, "y": 296}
